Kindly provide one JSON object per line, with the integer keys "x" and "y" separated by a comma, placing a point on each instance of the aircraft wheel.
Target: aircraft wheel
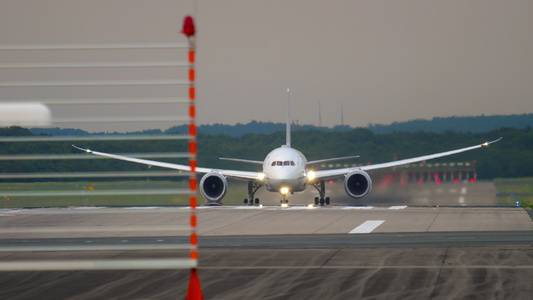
{"x": 327, "y": 200}
{"x": 245, "y": 201}
{"x": 321, "y": 201}
{"x": 256, "y": 200}
{"x": 316, "y": 200}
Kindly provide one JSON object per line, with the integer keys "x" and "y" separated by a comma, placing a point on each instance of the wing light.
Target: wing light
{"x": 485, "y": 144}
{"x": 82, "y": 149}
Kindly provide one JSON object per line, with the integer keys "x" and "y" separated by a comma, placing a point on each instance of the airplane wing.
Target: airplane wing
{"x": 340, "y": 172}
{"x": 244, "y": 175}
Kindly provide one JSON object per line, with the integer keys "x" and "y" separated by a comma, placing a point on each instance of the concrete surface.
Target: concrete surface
{"x": 339, "y": 273}
{"x": 423, "y": 252}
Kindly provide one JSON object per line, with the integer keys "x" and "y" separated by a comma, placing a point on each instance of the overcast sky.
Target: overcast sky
{"x": 383, "y": 61}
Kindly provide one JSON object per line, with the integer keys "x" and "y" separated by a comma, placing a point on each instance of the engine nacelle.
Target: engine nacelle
{"x": 357, "y": 184}
{"x": 213, "y": 187}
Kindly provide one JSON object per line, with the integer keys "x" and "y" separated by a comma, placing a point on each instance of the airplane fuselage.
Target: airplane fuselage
{"x": 285, "y": 170}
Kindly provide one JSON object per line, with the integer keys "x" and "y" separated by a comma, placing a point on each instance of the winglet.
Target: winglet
{"x": 486, "y": 144}
{"x": 84, "y": 150}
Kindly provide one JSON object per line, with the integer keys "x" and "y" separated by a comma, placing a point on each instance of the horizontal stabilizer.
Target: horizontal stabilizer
{"x": 330, "y": 159}
{"x": 243, "y": 160}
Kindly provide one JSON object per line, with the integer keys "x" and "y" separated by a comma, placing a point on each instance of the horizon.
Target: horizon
{"x": 372, "y": 127}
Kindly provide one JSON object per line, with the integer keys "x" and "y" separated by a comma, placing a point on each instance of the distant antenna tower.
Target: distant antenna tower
{"x": 342, "y": 115}
{"x": 319, "y": 115}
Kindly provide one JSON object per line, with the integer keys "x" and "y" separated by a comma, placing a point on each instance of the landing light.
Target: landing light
{"x": 284, "y": 205}
{"x": 311, "y": 175}
{"x": 261, "y": 176}
{"x": 284, "y": 191}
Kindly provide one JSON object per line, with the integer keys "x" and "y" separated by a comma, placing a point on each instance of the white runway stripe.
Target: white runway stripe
{"x": 367, "y": 226}
{"x": 358, "y": 207}
{"x": 462, "y": 198}
{"x": 398, "y": 207}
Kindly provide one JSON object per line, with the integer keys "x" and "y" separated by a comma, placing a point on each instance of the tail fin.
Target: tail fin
{"x": 288, "y": 138}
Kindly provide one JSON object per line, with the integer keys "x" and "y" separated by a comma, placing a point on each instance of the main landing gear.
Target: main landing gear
{"x": 321, "y": 188}
{"x": 252, "y": 188}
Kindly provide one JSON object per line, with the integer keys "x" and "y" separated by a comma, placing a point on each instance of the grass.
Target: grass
{"x": 511, "y": 190}
{"x": 9, "y": 198}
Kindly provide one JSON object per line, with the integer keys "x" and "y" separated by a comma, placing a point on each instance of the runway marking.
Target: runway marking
{"x": 245, "y": 207}
{"x": 398, "y": 207}
{"x": 462, "y": 198}
{"x": 358, "y": 207}
{"x": 367, "y": 226}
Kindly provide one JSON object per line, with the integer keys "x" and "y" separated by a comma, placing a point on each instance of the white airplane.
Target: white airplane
{"x": 285, "y": 171}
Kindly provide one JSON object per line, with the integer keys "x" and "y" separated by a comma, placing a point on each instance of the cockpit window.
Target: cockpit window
{"x": 283, "y": 163}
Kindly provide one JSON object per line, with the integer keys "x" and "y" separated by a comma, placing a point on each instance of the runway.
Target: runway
{"x": 254, "y": 220}
{"x": 383, "y": 251}
{"x": 417, "y": 271}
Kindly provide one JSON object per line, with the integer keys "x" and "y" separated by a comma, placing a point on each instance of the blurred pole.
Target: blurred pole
{"x": 195, "y": 290}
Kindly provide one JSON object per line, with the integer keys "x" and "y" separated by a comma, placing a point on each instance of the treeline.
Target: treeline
{"x": 478, "y": 124}
{"x": 511, "y": 157}
{"x": 458, "y": 124}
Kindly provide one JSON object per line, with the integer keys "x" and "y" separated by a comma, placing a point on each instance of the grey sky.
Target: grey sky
{"x": 385, "y": 61}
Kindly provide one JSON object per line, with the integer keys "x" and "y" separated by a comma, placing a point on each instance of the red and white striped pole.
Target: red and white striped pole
{"x": 194, "y": 291}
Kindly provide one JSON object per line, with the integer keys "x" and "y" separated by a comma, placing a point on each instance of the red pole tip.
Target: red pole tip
{"x": 188, "y": 27}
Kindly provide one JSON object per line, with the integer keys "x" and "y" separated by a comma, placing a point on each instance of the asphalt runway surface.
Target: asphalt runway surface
{"x": 430, "y": 242}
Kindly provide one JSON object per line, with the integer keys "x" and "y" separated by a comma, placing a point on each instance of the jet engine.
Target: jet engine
{"x": 357, "y": 184}
{"x": 213, "y": 187}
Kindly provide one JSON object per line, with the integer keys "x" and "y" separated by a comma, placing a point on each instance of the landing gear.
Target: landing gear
{"x": 252, "y": 188}
{"x": 321, "y": 188}
{"x": 284, "y": 201}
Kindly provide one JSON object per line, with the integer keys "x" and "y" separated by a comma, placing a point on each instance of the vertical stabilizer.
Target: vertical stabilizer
{"x": 288, "y": 138}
